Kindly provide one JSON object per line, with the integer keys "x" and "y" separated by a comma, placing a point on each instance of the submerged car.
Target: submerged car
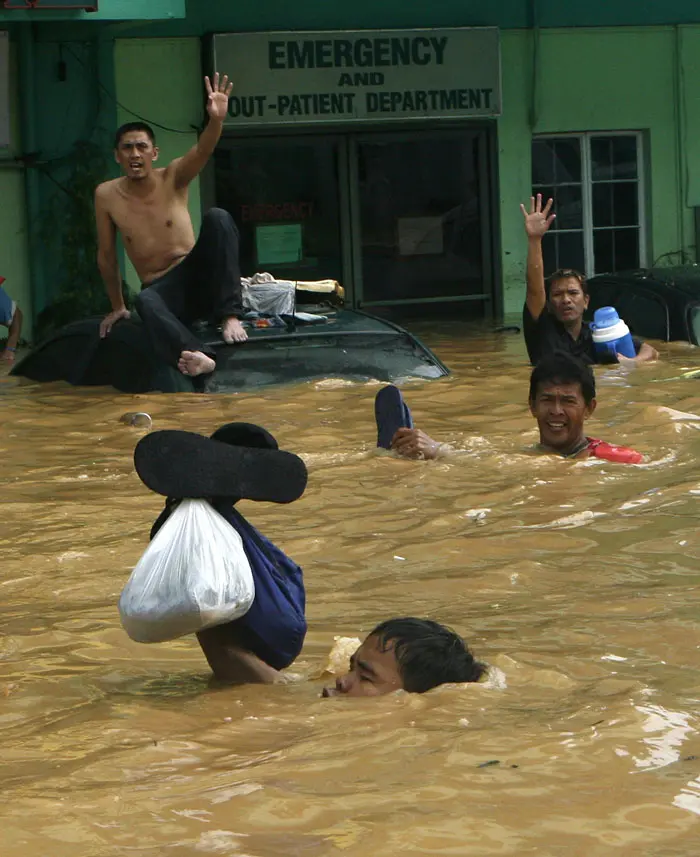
{"x": 317, "y": 341}
{"x": 658, "y": 303}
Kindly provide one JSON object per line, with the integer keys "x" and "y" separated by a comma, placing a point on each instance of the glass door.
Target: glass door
{"x": 421, "y": 216}
{"x": 284, "y": 194}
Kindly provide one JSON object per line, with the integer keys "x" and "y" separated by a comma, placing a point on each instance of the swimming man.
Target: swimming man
{"x": 561, "y": 399}
{"x": 408, "y": 654}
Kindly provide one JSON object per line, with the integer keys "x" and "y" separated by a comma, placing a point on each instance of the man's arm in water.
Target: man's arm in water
{"x": 232, "y": 663}
{"x": 415, "y": 443}
{"x": 107, "y": 259}
{"x": 646, "y": 354}
{"x": 188, "y": 167}
{"x": 537, "y": 222}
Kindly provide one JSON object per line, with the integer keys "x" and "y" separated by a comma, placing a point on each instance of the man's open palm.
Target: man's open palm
{"x": 218, "y": 94}
{"x": 538, "y": 219}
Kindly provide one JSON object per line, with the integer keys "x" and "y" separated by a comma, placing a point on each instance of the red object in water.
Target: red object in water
{"x": 609, "y": 452}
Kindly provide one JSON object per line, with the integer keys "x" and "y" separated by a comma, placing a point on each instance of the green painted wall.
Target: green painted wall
{"x": 588, "y": 80}
{"x": 689, "y": 68}
{"x": 14, "y": 253}
{"x": 160, "y": 80}
{"x": 206, "y": 16}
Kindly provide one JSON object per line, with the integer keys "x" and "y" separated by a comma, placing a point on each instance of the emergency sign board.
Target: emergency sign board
{"x": 294, "y": 78}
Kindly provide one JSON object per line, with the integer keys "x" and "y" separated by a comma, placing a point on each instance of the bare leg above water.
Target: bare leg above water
{"x": 233, "y": 331}
{"x": 195, "y": 363}
{"x": 230, "y": 662}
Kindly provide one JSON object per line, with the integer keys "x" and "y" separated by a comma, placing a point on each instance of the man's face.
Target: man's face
{"x": 373, "y": 672}
{"x": 567, "y": 300}
{"x": 560, "y": 411}
{"x": 135, "y": 154}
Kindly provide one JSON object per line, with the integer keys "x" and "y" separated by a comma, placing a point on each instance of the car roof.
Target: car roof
{"x": 667, "y": 282}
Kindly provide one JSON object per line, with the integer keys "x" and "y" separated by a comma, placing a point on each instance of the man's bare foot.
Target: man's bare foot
{"x": 195, "y": 363}
{"x": 233, "y": 331}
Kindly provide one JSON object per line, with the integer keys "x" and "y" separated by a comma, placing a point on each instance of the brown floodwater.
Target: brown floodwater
{"x": 578, "y": 581}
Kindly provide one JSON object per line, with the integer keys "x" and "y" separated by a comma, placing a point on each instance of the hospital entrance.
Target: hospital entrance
{"x": 400, "y": 219}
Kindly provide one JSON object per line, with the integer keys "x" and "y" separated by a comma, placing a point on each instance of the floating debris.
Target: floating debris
{"x": 138, "y": 419}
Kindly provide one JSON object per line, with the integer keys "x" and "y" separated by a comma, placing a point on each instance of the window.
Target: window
{"x": 595, "y": 181}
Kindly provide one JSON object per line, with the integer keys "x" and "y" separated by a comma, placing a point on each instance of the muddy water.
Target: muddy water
{"x": 578, "y": 581}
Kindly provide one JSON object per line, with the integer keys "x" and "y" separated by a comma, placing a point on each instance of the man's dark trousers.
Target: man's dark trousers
{"x": 205, "y": 285}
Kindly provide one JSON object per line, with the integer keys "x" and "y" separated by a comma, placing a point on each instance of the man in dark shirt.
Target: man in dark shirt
{"x": 553, "y": 317}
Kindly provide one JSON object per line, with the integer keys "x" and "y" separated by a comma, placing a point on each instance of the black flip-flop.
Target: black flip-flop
{"x": 391, "y": 414}
{"x": 184, "y": 464}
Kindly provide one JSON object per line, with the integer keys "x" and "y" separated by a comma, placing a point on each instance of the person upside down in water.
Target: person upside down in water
{"x": 407, "y": 653}
{"x": 562, "y": 397}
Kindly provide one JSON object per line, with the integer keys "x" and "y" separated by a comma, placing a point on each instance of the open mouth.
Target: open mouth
{"x": 556, "y": 427}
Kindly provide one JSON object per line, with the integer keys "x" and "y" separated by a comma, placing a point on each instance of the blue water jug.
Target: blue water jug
{"x": 611, "y": 335}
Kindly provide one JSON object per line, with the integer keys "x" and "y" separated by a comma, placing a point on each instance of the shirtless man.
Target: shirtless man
{"x": 182, "y": 280}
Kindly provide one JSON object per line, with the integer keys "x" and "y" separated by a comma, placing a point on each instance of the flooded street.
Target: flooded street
{"x": 578, "y": 581}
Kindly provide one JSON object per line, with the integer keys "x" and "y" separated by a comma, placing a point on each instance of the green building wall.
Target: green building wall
{"x": 603, "y": 80}
{"x": 559, "y": 77}
{"x": 160, "y": 80}
{"x": 14, "y": 251}
{"x": 587, "y": 79}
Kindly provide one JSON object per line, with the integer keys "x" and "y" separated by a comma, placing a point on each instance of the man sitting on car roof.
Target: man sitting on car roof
{"x": 553, "y": 313}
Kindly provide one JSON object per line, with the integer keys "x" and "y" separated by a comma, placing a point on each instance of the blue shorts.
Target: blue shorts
{"x": 275, "y": 626}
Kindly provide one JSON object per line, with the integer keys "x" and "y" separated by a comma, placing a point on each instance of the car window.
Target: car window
{"x": 646, "y": 315}
{"x": 601, "y": 294}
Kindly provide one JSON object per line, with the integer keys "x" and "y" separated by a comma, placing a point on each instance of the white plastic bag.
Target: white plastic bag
{"x": 264, "y": 294}
{"x": 193, "y": 575}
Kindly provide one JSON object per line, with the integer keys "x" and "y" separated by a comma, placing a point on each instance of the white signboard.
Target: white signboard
{"x": 4, "y": 89}
{"x": 361, "y": 75}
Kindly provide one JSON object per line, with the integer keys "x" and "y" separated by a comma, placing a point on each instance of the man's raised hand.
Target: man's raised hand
{"x": 218, "y": 94}
{"x": 538, "y": 219}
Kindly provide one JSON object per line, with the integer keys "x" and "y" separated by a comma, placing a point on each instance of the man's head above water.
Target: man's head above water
{"x": 408, "y": 654}
{"x": 562, "y": 397}
{"x": 567, "y": 296}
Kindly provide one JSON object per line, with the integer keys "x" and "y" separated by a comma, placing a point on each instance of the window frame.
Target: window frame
{"x": 585, "y": 138}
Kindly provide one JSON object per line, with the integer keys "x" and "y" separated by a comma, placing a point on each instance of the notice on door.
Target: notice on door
{"x": 365, "y": 75}
{"x": 4, "y": 89}
{"x": 278, "y": 244}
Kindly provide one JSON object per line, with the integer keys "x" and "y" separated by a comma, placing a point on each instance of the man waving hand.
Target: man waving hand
{"x": 182, "y": 279}
{"x": 553, "y": 313}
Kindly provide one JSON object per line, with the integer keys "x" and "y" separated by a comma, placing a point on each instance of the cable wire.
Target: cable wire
{"x": 128, "y": 109}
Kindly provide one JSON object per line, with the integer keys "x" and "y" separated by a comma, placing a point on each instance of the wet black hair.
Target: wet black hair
{"x": 562, "y": 368}
{"x": 564, "y": 274}
{"x": 428, "y": 654}
{"x": 133, "y": 126}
